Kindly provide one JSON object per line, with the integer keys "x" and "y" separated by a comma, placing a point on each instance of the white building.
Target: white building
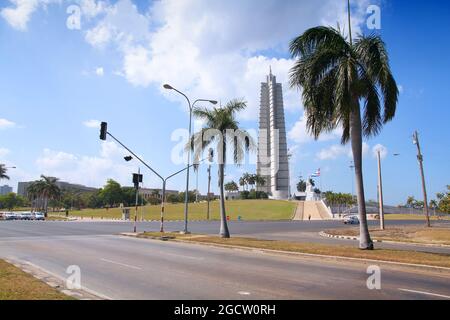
{"x": 272, "y": 161}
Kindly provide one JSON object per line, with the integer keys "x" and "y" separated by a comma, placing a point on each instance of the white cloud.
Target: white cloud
{"x": 99, "y": 71}
{"x": 6, "y": 124}
{"x": 92, "y": 123}
{"x": 383, "y": 151}
{"x": 18, "y": 15}
{"x": 300, "y": 134}
{"x": 337, "y": 150}
{"x": 89, "y": 170}
{"x": 4, "y": 152}
{"x": 214, "y": 53}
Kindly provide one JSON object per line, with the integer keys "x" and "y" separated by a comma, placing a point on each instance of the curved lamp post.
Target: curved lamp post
{"x": 191, "y": 107}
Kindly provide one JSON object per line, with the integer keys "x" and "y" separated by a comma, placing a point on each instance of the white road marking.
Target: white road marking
{"x": 244, "y": 293}
{"x": 426, "y": 293}
{"x": 121, "y": 264}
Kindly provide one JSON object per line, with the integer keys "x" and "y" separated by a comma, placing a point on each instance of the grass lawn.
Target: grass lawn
{"x": 18, "y": 285}
{"x": 436, "y": 235}
{"x": 412, "y": 217}
{"x": 247, "y": 209}
{"x": 434, "y": 259}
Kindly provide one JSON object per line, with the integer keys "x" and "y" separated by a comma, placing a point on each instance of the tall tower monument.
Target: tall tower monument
{"x": 272, "y": 159}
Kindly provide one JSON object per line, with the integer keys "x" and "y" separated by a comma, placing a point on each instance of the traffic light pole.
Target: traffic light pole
{"x": 104, "y": 133}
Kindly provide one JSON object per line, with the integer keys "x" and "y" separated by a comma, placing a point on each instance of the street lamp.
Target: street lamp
{"x": 191, "y": 106}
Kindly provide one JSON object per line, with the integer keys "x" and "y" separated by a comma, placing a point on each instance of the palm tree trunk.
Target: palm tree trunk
{"x": 224, "y": 233}
{"x": 356, "y": 136}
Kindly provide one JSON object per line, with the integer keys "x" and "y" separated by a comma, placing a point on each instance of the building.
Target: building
{"x": 65, "y": 186}
{"x": 272, "y": 159}
{"x": 147, "y": 193}
{"x": 5, "y": 190}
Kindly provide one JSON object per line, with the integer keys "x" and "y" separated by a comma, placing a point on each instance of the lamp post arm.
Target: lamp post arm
{"x": 174, "y": 174}
{"x": 151, "y": 169}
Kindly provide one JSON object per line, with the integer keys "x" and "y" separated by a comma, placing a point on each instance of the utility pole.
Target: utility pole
{"x": 420, "y": 159}
{"x": 207, "y": 195}
{"x": 380, "y": 192}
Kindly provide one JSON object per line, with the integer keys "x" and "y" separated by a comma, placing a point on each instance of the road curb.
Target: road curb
{"x": 55, "y": 281}
{"x": 327, "y": 235}
{"x": 422, "y": 267}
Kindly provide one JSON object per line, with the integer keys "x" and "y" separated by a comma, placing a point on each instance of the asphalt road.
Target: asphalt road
{"x": 128, "y": 268}
{"x": 298, "y": 231}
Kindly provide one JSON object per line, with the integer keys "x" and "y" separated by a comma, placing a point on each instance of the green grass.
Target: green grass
{"x": 413, "y": 234}
{"x": 412, "y": 217}
{"x": 247, "y": 209}
{"x": 425, "y": 258}
{"x": 18, "y": 285}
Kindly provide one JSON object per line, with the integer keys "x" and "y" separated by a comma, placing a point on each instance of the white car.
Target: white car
{"x": 27, "y": 216}
{"x": 39, "y": 216}
{"x": 351, "y": 220}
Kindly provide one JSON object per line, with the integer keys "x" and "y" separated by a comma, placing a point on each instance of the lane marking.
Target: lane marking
{"x": 244, "y": 293}
{"x": 425, "y": 293}
{"x": 121, "y": 264}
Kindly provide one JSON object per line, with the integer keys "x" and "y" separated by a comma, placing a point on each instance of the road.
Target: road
{"x": 128, "y": 268}
{"x": 297, "y": 231}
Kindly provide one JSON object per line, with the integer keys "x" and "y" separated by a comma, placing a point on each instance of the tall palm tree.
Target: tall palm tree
{"x": 3, "y": 171}
{"x": 218, "y": 123}
{"x": 336, "y": 76}
{"x": 242, "y": 182}
{"x": 44, "y": 190}
{"x": 246, "y": 176}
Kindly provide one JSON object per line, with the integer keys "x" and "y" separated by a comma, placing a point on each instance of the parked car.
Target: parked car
{"x": 27, "y": 216}
{"x": 9, "y": 216}
{"x": 39, "y": 216}
{"x": 351, "y": 220}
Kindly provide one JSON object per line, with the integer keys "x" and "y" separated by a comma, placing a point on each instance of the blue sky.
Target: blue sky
{"x": 56, "y": 80}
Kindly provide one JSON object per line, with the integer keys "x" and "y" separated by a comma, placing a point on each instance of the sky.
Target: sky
{"x": 66, "y": 65}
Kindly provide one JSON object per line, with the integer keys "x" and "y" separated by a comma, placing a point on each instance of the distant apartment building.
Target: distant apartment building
{"x": 65, "y": 186}
{"x": 5, "y": 190}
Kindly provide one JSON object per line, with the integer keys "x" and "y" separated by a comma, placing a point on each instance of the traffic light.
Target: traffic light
{"x": 137, "y": 178}
{"x": 103, "y": 130}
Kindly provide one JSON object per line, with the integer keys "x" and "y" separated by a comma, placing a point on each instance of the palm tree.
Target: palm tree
{"x": 246, "y": 177}
{"x": 218, "y": 122}
{"x": 260, "y": 180}
{"x": 44, "y": 190}
{"x": 3, "y": 171}
{"x": 336, "y": 75}
{"x": 242, "y": 182}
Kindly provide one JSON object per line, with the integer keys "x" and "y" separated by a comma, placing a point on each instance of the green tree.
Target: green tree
{"x": 11, "y": 201}
{"x": 43, "y": 191}
{"x": 3, "y": 172}
{"x": 242, "y": 182}
{"x": 301, "y": 185}
{"x": 336, "y": 76}
{"x": 444, "y": 200}
{"x": 172, "y": 198}
{"x": 218, "y": 122}
{"x": 231, "y": 186}
{"x": 112, "y": 193}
